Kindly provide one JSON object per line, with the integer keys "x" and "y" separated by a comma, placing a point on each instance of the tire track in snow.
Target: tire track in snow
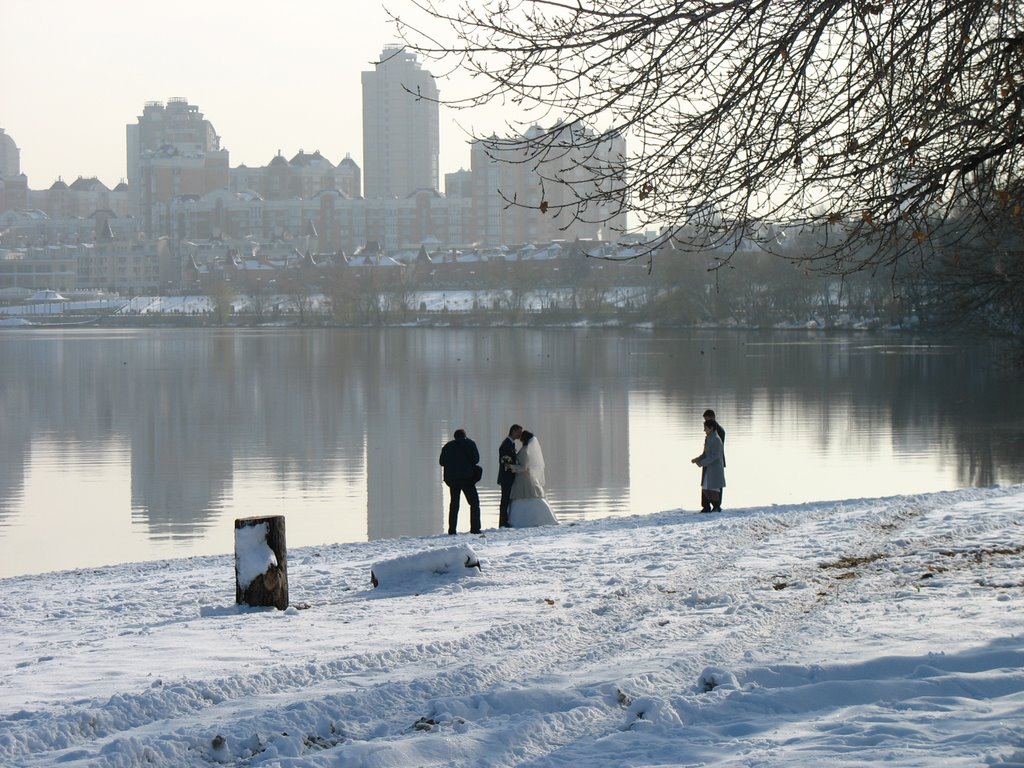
{"x": 602, "y": 609}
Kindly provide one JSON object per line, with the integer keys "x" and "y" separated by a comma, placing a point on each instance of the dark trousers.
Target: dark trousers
{"x": 458, "y": 488}
{"x": 505, "y": 503}
{"x": 710, "y": 501}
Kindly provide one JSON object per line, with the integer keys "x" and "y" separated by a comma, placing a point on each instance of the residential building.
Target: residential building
{"x": 129, "y": 266}
{"x": 172, "y": 150}
{"x": 554, "y": 184}
{"x": 13, "y": 183}
{"x": 330, "y": 218}
{"x": 40, "y": 267}
{"x": 348, "y": 177}
{"x": 103, "y": 251}
{"x": 458, "y": 183}
{"x": 24, "y": 227}
{"x": 304, "y": 176}
{"x": 82, "y": 198}
{"x": 401, "y": 144}
{"x": 13, "y": 192}
{"x": 10, "y": 156}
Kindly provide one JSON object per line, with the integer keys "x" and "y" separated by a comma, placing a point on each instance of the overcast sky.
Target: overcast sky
{"x": 269, "y": 76}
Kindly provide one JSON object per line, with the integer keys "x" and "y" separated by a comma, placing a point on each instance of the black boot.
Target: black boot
{"x": 705, "y": 501}
{"x": 715, "y": 498}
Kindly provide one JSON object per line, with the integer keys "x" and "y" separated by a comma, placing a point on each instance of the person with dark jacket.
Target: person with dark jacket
{"x": 460, "y": 457}
{"x": 507, "y": 457}
{"x": 709, "y": 415}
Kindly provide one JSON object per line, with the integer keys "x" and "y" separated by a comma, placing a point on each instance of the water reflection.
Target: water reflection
{"x": 158, "y": 438}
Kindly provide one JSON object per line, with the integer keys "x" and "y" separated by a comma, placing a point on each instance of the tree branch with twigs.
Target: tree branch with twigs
{"x": 890, "y": 131}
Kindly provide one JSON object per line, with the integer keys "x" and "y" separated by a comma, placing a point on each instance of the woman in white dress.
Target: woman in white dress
{"x": 529, "y": 507}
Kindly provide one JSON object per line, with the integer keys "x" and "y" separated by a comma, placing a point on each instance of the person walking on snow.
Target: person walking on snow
{"x": 712, "y": 464}
{"x": 709, "y": 415}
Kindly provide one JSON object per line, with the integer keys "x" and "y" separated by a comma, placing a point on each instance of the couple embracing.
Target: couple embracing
{"x": 521, "y": 477}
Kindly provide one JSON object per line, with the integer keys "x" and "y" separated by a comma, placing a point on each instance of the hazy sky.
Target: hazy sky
{"x": 269, "y": 76}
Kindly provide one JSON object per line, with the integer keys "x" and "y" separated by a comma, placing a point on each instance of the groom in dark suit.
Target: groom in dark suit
{"x": 506, "y": 456}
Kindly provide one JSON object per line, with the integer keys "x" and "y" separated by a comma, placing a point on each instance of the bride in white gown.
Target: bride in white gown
{"x": 529, "y": 507}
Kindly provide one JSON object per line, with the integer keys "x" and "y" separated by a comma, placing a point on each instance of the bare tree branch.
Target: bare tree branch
{"x": 877, "y": 125}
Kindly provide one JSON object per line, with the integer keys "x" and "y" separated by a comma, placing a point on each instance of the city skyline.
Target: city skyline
{"x": 298, "y": 90}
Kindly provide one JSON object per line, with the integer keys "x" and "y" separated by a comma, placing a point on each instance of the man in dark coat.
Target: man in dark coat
{"x": 506, "y": 456}
{"x": 460, "y": 457}
{"x": 709, "y": 415}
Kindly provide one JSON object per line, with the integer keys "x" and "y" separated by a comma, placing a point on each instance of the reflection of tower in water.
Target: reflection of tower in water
{"x": 182, "y": 446}
{"x": 557, "y": 385}
{"x": 403, "y": 481}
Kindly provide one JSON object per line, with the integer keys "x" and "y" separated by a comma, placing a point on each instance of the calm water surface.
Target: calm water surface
{"x": 119, "y": 446}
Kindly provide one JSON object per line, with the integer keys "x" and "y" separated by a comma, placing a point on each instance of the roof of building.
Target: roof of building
{"x": 91, "y": 184}
{"x": 304, "y": 159}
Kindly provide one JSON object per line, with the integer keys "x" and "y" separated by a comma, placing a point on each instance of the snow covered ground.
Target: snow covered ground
{"x": 849, "y": 633}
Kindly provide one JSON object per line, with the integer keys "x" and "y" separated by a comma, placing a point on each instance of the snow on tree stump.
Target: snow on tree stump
{"x": 261, "y": 562}
{"x": 456, "y": 561}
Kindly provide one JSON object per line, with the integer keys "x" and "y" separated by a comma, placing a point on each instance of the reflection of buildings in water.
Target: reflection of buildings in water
{"x": 403, "y": 499}
{"x": 177, "y": 476}
{"x": 292, "y": 405}
{"x": 858, "y": 394}
{"x": 404, "y": 490}
{"x": 15, "y": 447}
{"x": 194, "y": 405}
{"x": 402, "y": 474}
{"x": 181, "y": 458}
{"x": 429, "y": 383}
{"x": 197, "y": 404}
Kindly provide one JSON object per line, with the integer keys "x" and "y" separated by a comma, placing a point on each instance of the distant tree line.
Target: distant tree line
{"x": 753, "y": 289}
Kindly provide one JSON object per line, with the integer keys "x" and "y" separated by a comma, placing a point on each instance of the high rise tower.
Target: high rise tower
{"x": 401, "y": 144}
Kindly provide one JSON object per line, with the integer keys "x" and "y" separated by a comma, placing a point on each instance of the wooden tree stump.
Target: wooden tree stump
{"x": 261, "y": 562}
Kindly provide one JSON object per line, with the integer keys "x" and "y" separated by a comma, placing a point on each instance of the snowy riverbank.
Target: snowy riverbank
{"x": 833, "y": 634}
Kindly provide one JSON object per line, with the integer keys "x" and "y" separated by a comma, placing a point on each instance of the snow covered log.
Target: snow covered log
{"x": 449, "y": 560}
{"x": 261, "y": 562}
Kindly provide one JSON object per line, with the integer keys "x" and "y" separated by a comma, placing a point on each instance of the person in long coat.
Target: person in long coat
{"x": 712, "y": 462}
{"x": 709, "y": 415}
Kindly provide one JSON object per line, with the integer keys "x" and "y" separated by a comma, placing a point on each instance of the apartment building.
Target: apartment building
{"x": 334, "y": 221}
{"x": 102, "y": 252}
{"x": 305, "y": 175}
{"x": 401, "y": 131}
{"x": 560, "y": 183}
{"x": 172, "y": 151}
